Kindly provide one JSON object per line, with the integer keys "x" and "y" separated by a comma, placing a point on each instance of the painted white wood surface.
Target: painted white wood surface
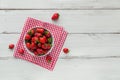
{"x": 70, "y": 69}
{"x": 80, "y": 45}
{"x": 59, "y": 4}
{"x": 93, "y": 40}
{"x": 74, "y": 21}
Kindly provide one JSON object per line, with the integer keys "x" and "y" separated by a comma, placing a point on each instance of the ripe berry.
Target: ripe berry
{"x": 28, "y": 45}
{"x": 42, "y": 39}
{"x": 31, "y": 32}
{"x": 47, "y": 34}
{"x": 38, "y": 34}
{"x": 35, "y": 39}
{"x": 48, "y": 58}
{"x": 39, "y": 45}
{"x": 35, "y": 53}
{"x": 55, "y": 16}
{"x": 27, "y": 37}
{"x": 44, "y": 46}
{"x": 33, "y": 46}
{"x": 65, "y": 50}
{"x": 11, "y": 46}
{"x": 21, "y": 51}
{"x": 40, "y": 51}
{"x": 40, "y": 30}
{"x": 48, "y": 46}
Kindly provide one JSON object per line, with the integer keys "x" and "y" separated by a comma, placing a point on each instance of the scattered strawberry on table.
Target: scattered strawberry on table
{"x": 66, "y": 50}
{"x": 38, "y": 41}
{"x": 55, "y": 16}
{"x": 11, "y": 46}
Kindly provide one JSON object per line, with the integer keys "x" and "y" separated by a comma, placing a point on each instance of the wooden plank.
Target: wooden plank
{"x": 59, "y": 4}
{"x": 95, "y": 69}
{"x": 80, "y": 45}
{"x": 74, "y": 21}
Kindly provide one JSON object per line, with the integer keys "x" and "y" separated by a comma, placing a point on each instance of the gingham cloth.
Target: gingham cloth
{"x": 59, "y": 35}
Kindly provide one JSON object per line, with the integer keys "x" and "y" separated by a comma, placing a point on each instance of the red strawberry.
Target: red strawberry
{"x": 45, "y": 51}
{"x": 33, "y": 46}
{"x": 21, "y": 51}
{"x": 55, "y": 16}
{"x": 47, "y": 34}
{"x": 27, "y": 37}
{"x": 32, "y": 50}
{"x": 28, "y": 45}
{"x": 65, "y": 50}
{"x": 38, "y": 34}
{"x": 39, "y": 45}
{"x": 31, "y": 32}
{"x": 48, "y": 58}
{"x": 44, "y": 46}
{"x": 35, "y": 53}
{"x": 48, "y": 46}
{"x": 42, "y": 39}
{"x": 40, "y": 52}
{"x": 40, "y": 30}
{"x": 35, "y": 39}
{"x": 11, "y": 46}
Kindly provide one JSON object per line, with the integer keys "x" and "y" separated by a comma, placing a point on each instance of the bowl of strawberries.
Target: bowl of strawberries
{"x": 38, "y": 41}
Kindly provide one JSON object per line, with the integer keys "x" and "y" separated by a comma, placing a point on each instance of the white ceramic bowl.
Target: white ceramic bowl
{"x": 32, "y": 52}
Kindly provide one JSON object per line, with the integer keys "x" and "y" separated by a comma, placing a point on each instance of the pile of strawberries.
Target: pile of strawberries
{"x": 38, "y": 41}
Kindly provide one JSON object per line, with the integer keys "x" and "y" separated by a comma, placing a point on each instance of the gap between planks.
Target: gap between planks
{"x": 4, "y": 32}
{"x": 60, "y": 9}
{"x": 70, "y": 57}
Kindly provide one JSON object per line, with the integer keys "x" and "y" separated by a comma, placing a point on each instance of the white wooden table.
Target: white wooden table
{"x": 93, "y": 40}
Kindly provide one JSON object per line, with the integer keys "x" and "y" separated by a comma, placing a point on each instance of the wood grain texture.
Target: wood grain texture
{"x": 80, "y": 45}
{"x": 74, "y": 21}
{"x": 96, "y": 69}
{"x": 93, "y": 39}
{"x": 60, "y": 4}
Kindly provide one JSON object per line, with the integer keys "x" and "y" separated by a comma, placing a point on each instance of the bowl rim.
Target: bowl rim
{"x": 29, "y": 50}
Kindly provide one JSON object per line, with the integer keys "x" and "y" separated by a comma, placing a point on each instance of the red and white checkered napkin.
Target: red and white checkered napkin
{"x": 59, "y": 35}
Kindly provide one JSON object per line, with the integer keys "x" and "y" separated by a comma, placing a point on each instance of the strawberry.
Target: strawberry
{"x": 48, "y": 46}
{"x": 42, "y": 39}
{"x": 44, "y": 46}
{"x": 45, "y": 51}
{"x": 39, "y": 45}
{"x": 21, "y": 51}
{"x": 47, "y": 34}
{"x": 48, "y": 58}
{"x": 55, "y": 16}
{"x": 31, "y": 32}
{"x": 65, "y": 50}
{"x": 32, "y": 50}
{"x": 35, "y": 53}
{"x": 28, "y": 45}
{"x": 27, "y": 37}
{"x": 11, "y": 46}
{"x": 38, "y": 34}
{"x": 40, "y": 30}
{"x": 33, "y": 46}
{"x": 40, "y": 52}
{"x": 35, "y": 39}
